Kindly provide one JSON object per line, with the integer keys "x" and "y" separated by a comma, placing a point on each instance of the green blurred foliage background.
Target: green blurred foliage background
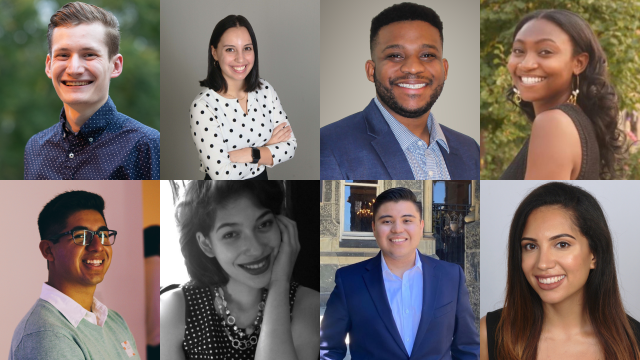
{"x": 28, "y": 101}
{"x": 504, "y": 128}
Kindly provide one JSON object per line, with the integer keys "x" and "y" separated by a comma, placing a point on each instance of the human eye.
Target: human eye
{"x": 529, "y": 246}
{"x": 429, "y": 56}
{"x": 62, "y": 56}
{"x": 266, "y": 224}
{"x": 546, "y": 52}
{"x": 229, "y": 49}
{"x": 563, "y": 245}
{"x": 394, "y": 56}
{"x": 248, "y": 48}
{"x": 229, "y": 235}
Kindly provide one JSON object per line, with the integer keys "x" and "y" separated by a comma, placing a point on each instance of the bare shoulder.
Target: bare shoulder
{"x": 484, "y": 350}
{"x": 305, "y": 324}
{"x": 306, "y": 299}
{"x": 552, "y": 122}
{"x": 172, "y": 323}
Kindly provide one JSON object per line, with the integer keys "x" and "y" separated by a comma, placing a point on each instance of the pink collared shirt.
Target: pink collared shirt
{"x": 73, "y": 311}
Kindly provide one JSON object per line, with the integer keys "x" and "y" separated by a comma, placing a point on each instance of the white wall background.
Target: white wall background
{"x": 500, "y": 198}
{"x": 344, "y": 39}
{"x": 24, "y": 269}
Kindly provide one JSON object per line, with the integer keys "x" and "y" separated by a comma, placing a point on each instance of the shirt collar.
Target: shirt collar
{"x": 73, "y": 311}
{"x": 385, "y": 267}
{"x": 96, "y": 124}
{"x": 405, "y": 137}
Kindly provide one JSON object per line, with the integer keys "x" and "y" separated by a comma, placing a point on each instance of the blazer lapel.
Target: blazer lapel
{"x": 375, "y": 284}
{"x": 430, "y": 283}
{"x": 455, "y": 163}
{"x": 386, "y": 144}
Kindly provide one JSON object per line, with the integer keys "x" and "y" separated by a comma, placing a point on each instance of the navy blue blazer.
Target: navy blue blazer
{"x": 363, "y": 146}
{"x": 358, "y": 306}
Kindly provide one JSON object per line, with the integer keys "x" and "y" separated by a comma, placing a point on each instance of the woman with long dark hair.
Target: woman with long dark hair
{"x": 560, "y": 82}
{"x": 241, "y": 302}
{"x": 238, "y": 124}
{"x": 562, "y": 297}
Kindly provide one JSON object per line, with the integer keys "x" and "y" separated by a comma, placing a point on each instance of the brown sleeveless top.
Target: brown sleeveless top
{"x": 590, "y": 167}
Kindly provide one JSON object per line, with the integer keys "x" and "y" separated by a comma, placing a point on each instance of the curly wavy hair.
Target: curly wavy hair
{"x": 598, "y": 98}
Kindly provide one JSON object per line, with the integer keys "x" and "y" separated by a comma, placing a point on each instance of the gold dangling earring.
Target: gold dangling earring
{"x": 574, "y": 92}
{"x": 516, "y": 97}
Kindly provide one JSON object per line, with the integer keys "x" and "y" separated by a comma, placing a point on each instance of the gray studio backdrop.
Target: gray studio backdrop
{"x": 288, "y": 36}
{"x": 344, "y": 89}
{"x": 500, "y": 198}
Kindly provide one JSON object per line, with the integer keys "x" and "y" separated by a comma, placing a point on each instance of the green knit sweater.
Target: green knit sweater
{"x": 44, "y": 333}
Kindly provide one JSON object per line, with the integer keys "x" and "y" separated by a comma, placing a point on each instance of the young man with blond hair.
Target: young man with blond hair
{"x": 91, "y": 139}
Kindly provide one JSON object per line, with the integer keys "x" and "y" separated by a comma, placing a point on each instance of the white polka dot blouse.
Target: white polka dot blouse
{"x": 219, "y": 125}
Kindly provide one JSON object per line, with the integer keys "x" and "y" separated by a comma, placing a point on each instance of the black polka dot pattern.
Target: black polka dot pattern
{"x": 231, "y": 133}
{"x": 109, "y": 146}
{"x": 204, "y": 333}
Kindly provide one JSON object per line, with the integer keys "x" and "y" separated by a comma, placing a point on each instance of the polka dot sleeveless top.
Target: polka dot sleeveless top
{"x": 204, "y": 334}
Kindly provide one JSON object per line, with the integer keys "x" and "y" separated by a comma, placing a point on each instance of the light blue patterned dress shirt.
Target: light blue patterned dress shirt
{"x": 426, "y": 161}
{"x": 405, "y": 298}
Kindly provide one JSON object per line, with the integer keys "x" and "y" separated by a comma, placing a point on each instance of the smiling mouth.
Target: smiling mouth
{"x": 257, "y": 267}
{"x": 76, "y": 83}
{"x": 412, "y": 86}
{"x": 551, "y": 280}
{"x": 399, "y": 240}
{"x": 528, "y": 80}
{"x": 93, "y": 262}
{"x": 239, "y": 68}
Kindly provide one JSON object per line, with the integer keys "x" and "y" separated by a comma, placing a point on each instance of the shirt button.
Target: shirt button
{"x": 406, "y": 339}
{"x": 71, "y": 155}
{"x": 90, "y": 139}
{"x": 406, "y": 311}
{"x": 430, "y": 173}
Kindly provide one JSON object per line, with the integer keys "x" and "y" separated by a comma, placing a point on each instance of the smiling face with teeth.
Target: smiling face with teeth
{"x": 542, "y": 64}
{"x": 407, "y": 68}
{"x": 80, "y": 67}
{"x": 245, "y": 239}
{"x": 398, "y": 229}
{"x": 235, "y": 56}
{"x": 556, "y": 258}
{"x": 74, "y": 267}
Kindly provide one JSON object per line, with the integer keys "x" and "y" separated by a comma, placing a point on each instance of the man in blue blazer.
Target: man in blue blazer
{"x": 399, "y": 304}
{"x": 396, "y": 136}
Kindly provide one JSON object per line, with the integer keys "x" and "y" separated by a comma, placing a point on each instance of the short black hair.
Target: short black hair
{"x": 53, "y": 217}
{"x": 215, "y": 80}
{"x": 396, "y": 195}
{"x": 405, "y": 11}
{"x": 197, "y": 213}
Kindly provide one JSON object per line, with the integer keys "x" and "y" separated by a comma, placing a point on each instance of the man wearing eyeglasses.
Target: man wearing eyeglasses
{"x": 67, "y": 322}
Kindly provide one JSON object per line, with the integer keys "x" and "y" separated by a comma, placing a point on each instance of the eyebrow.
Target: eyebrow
{"x": 537, "y": 41}
{"x": 551, "y": 238}
{"x": 249, "y": 44}
{"x": 389, "y": 216}
{"x": 103, "y": 227}
{"x": 398, "y": 46}
{"x": 231, "y": 224}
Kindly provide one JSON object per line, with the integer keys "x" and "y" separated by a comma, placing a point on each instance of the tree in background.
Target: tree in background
{"x": 28, "y": 101}
{"x": 503, "y": 127}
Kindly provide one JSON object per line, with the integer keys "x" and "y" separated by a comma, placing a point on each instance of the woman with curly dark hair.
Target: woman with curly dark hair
{"x": 560, "y": 82}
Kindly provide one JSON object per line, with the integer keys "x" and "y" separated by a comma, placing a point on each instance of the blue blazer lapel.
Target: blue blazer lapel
{"x": 455, "y": 162}
{"x": 430, "y": 284}
{"x": 386, "y": 144}
{"x": 375, "y": 284}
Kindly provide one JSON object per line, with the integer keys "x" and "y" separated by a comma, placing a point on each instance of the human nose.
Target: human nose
{"x": 253, "y": 244}
{"x": 546, "y": 260}
{"x": 412, "y": 65}
{"x": 529, "y": 62}
{"x": 95, "y": 243}
{"x": 397, "y": 227}
{"x": 75, "y": 66}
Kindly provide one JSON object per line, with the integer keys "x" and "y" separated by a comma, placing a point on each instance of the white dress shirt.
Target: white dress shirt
{"x": 405, "y": 298}
{"x": 73, "y": 311}
{"x": 219, "y": 125}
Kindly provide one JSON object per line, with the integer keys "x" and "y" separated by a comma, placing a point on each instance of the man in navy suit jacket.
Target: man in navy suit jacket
{"x": 396, "y": 136}
{"x": 399, "y": 304}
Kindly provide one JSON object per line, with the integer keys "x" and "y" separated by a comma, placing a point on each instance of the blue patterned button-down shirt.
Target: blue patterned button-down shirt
{"x": 426, "y": 161}
{"x": 109, "y": 146}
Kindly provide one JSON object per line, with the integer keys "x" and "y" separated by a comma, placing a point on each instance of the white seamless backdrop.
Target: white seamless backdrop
{"x": 619, "y": 201}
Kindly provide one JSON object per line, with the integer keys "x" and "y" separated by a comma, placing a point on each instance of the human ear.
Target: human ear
{"x": 580, "y": 63}
{"x": 593, "y": 262}
{"x": 213, "y": 52}
{"x": 46, "y": 250}
{"x": 205, "y": 244}
{"x": 445, "y": 63}
{"x": 47, "y": 66}
{"x": 117, "y": 66}
{"x": 370, "y": 68}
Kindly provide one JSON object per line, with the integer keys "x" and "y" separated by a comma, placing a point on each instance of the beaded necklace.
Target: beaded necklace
{"x": 251, "y": 332}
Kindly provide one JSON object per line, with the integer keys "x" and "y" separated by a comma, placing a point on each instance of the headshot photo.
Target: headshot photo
{"x": 240, "y": 272}
{"x": 559, "y": 271}
{"x": 558, "y": 91}
{"x": 101, "y": 71}
{"x": 251, "y": 87}
{"x": 400, "y": 279}
{"x": 399, "y": 121}
{"x": 80, "y": 269}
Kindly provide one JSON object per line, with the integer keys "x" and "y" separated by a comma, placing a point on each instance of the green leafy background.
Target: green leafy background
{"x": 28, "y": 101}
{"x": 503, "y": 127}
